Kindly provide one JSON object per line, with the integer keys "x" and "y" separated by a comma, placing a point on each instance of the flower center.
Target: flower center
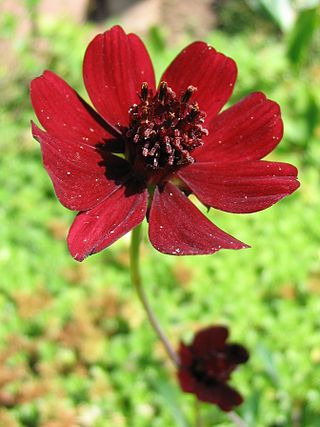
{"x": 212, "y": 369}
{"x": 165, "y": 129}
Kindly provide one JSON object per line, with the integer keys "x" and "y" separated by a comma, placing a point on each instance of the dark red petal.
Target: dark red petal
{"x": 206, "y": 340}
{"x": 248, "y": 130}
{"x": 79, "y": 177}
{"x": 220, "y": 394}
{"x": 185, "y": 355}
{"x": 211, "y": 72}
{"x": 228, "y": 398}
{"x": 240, "y": 187}
{"x": 115, "y": 65}
{"x": 63, "y": 113}
{"x": 236, "y": 354}
{"x": 177, "y": 227}
{"x": 186, "y": 380}
{"x": 208, "y": 394}
{"x": 94, "y": 230}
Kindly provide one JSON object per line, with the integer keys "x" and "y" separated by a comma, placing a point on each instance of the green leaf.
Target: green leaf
{"x": 251, "y": 408}
{"x": 268, "y": 360}
{"x": 157, "y": 38}
{"x": 32, "y": 4}
{"x": 280, "y": 11}
{"x": 170, "y": 397}
{"x": 312, "y": 115}
{"x": 301, "y": 35}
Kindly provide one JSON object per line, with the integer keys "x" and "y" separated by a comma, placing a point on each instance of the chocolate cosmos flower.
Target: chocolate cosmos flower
{"x": 206, "y": 365}
{"x": 147, "y": 148}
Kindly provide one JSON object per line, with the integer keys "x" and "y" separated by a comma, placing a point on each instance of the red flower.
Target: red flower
{"x": 147, "y": 149}
{"x": 206, "y": 365}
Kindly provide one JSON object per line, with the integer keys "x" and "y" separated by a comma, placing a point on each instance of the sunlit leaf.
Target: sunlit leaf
{"x": 170, "y": 397}
{"x": 280, "y": 11}
{"x": 301, "y": 35}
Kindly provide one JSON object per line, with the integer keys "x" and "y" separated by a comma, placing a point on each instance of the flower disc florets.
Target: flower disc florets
{"x": 215, "y": 366}
{"x": 165, "y": 128}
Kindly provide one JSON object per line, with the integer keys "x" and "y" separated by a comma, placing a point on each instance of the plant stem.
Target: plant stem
{"x": 198, "y": 420}
{"x": 236, "y": 419}
{"x": 137, "y": 282}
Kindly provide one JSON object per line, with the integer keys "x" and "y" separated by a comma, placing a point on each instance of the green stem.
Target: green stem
{"x": 137, "y": 282}
{"x": 236, "y": 419}
{"x": 197, "y": 410}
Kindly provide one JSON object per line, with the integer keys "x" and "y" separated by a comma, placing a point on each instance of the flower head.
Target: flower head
{"x": 146, "y": 148}
{"x": 206, "y": 366}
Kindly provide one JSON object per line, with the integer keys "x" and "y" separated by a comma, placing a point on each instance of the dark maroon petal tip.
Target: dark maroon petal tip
{"x": 237, "y": 354}
{"x": 115, "y": 65}
{"x": 80, "y": 177}
{"x": 185, "y": 355}
{"x": 94, "y": 230}
{"x": 242, "y": 187}
{"x": 176, "y": 234}
{"x": 211, "y": 338}
{"x": 248, "y": 130}
{"x": 211, "y": 72}
{"x": 229, "y": 398}
{"x": 222, "y": 395}
{"x": 64, "y": 114}
{"x": 187, "y": 382}
{"x": 207, "y": 394}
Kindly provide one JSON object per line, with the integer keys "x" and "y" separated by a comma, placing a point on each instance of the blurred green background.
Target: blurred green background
{"x": 75, "y": 346}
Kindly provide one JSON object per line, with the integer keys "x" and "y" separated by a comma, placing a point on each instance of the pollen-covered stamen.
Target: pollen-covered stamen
{"x": 162, "y": 92}
{"x": 165, "y": 129}
{"x": 144, "y": 92}
{"x": 188, "y": 93}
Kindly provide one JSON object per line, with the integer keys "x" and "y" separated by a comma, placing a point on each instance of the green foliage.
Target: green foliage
{"x": 306, "y": 26}
{"x": 75, "y": 347}
{"x": 280, "y": 11}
